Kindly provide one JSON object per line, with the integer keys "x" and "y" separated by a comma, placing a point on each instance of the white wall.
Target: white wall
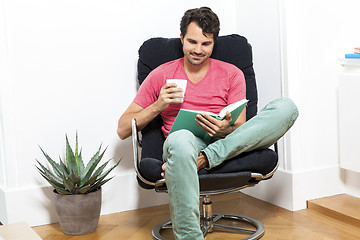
{"x": 316, "y": 41}
{"x": 313, "y": 35}
{"x": 258, "y": 21}
{"x": 71, "y": 66}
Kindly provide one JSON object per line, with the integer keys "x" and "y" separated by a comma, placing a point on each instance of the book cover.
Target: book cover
{"x": 352, "y": 55}
{"x": 186, "y": 119}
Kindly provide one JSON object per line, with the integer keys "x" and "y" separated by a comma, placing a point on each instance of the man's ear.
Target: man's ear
{"x": 182, "y": 39}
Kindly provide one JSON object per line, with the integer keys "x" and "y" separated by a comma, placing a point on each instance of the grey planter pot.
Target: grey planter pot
{"x": 78, "y": 214}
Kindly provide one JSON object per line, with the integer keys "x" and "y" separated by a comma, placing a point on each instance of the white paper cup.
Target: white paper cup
{"x": 181, "y": 83}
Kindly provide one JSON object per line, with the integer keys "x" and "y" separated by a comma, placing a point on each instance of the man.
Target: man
{"x": 211, "y": 85}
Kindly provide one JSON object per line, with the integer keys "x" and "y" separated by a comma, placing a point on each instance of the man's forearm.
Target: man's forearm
{"x": 146, "y": 115}
{"x": 169, "y": 93}
{"x": 142, "y": 115}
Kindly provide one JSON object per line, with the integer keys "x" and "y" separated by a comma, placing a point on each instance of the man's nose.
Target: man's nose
{"x": 198, "y": 49}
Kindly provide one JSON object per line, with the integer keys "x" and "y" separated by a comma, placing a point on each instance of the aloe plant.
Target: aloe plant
{"x": 72, "y": 176}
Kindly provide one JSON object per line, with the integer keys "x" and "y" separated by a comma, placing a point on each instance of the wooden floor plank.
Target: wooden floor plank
{"x": 279, "y": 223}
{"x": 342, "y": 207}
{"x": 18, "y": 231}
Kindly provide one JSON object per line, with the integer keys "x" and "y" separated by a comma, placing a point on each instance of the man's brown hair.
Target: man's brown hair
{"x": 207, "y": 20}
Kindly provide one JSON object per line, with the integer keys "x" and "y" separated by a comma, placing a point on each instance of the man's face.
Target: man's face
{"x": 197, "y": 47}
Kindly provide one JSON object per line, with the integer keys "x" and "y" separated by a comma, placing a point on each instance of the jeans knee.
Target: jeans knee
{"x": 181, "y": 142}
{"x": 284, "y": 109}
{"x": 180, "y": 138}
{"x": 288, "y": 110}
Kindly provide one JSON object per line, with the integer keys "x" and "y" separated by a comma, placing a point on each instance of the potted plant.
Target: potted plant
{"x": 77, "y": 192}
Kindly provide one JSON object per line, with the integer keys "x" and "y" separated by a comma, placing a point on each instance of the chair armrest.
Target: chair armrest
{"x": 136, "y": 145}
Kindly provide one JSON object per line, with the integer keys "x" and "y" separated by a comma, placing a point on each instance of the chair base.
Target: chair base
{"x": 250, "y": 233}
{"x": 251, "y": 228}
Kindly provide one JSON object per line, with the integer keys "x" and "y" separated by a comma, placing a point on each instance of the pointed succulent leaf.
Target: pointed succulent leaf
{"x": 59, "y": 187}
{"x": 84, "y": 189}
{"x": 99, "y": 184}
{"x": 95, "y": 175}
{"x": 47, "y": 173}
{"x": 62, "y": 191}
{"x": 68, "y": 184}
{"x": 92, "y": 180}
{"x": 75, "y": 179}
{"x": 101, "y": 168}
{"x": 81, "y": 164}
{"x": 70, "y": 157}
{"x": 92, "y": 160}
{"x": 64, "y": 169}
{"x": 52, "y": 181}
{"x": 92, "y": 165}
{"x": 100, "y": 180}
{"x": 77, "y": 155}
{"x": 102, "y": 176}
{"x": 56, "y": 167}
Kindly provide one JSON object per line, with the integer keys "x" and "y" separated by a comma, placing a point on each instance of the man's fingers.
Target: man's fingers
{"x": 228, "y": 116}
{"x": 163, "y": 168}
{"x": 205, "y": 126}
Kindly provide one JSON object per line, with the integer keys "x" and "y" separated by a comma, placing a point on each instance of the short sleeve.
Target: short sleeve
{"x": 150, "y": 89}
{"x": 237, "y": 86}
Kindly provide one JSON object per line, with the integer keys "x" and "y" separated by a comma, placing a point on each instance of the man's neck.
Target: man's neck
{"x": 196, "y": 73}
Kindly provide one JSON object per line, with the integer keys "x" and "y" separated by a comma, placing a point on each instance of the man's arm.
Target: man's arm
{"x": 168, "y": 94}
{"x": 142, "y": 115}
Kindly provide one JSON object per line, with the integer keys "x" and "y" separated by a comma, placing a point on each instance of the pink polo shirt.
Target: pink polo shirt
{"x": 223, "y": 84}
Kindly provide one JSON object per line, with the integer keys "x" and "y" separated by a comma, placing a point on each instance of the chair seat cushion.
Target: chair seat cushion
{"x": 259, "y": 161}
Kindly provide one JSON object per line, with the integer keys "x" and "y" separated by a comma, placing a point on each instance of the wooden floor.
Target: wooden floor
{"x": 280, "y": 224}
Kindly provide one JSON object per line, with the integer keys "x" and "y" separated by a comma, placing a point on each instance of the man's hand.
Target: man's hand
{"x": 202, "y": 162}
{"x": 214, "y": 127}
{"x": 169, "y": 93}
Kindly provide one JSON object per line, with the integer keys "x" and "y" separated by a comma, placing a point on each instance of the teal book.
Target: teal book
{"x": 352, "y": 55}
{"x": 186, "y": 118}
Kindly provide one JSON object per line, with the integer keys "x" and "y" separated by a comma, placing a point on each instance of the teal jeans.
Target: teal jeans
{"x": 182, "y": 148}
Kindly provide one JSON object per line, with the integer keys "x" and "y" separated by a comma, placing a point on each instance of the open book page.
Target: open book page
{"x": 231, "y": 107}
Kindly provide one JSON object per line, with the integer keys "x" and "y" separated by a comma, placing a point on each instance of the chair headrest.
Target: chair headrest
{"x": 231, "y": 48}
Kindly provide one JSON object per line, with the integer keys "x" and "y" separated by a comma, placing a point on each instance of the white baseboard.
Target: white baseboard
{"x": 3, "y": 211}
{"x": 35, "y": 205}
{"x": 292, "y": 190}
{"x": 31, "y": 205}
{"x": 351, "y": 180}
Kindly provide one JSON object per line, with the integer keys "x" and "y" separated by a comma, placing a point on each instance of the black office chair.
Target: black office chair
{"x": 234, "y": 174}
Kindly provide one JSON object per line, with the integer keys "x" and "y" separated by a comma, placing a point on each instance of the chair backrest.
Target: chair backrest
{"x": 233, "y": 49}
